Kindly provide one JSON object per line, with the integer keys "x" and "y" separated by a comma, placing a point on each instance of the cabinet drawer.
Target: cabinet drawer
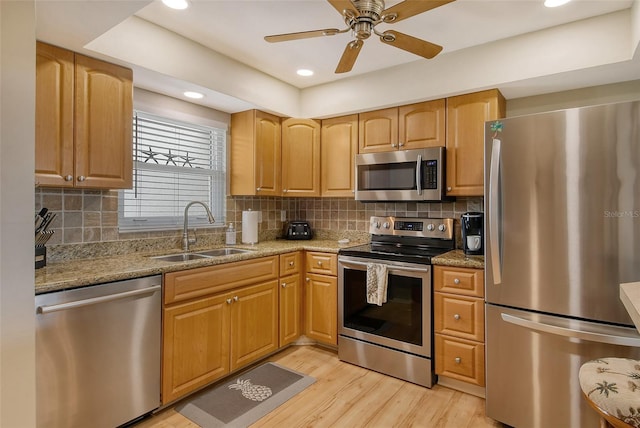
{"x": 188, "y": 284}
{"x": 460, "y": 359}
{"x": 322, "y": 263}
{"x": 290, "y": 263}
{"x": 459, "y": 316}
{"x": 465, "y": 281}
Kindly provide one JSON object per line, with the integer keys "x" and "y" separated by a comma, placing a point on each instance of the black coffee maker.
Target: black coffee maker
{"x": 472, "y": 233}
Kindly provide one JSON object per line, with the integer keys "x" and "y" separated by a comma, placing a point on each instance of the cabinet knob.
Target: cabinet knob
{"x": 284, "y": 285}
{"x": 258, "y": 189}
{"x": 229, "y": 301}
{"x": 394, "y": 145}
{"x": 291, "y": 263}
{"x": 458, "y": 360}
{"x": 284, "y": 190}
{"x": 68, "y": 177}
{"x": 400, "y": 144}
{"x": 235, "y": 298}
{"x": 456, "y": 317}
{"x": 449, "y": 189}
{"x": 307, "y": 279}
{"x": 456, "y": 281}
{"x": 319, "y": 263}
{"x": 81, "y": 178}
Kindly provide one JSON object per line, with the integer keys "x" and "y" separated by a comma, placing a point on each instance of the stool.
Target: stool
{"x": 611, "y": 386}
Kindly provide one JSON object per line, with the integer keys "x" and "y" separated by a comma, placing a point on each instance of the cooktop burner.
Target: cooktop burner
{"x": 414, "y": 240}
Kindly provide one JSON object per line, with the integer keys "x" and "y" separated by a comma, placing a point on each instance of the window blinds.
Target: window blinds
{"x": 174, "y": 163}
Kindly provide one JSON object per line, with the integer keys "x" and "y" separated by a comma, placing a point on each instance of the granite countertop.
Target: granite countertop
{"x": 630, "y": 297}
{"x": 457, "y": 258}
{"x": 78, "y": 273}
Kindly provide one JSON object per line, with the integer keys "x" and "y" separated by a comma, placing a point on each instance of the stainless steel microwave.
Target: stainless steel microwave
{"x": 404, "y": 175}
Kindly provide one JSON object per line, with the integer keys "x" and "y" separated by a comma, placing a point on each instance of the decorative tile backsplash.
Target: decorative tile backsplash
{"x": 91, "y": 216}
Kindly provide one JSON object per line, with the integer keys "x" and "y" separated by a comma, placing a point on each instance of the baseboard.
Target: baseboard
{"x": 478, "y": 391}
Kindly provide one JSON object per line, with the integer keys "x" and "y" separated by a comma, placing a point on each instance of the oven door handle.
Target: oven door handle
{"x": 389, "y": 266}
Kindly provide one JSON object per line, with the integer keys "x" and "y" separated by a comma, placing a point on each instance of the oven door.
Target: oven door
{"x": 403, "y": 322}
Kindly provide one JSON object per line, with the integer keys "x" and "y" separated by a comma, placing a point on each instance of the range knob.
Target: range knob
{"x": 442, "y": 228}
{"x": 376, "y": 224}
{"x": 386, "y": 225}
{"x": 430, "y": 227}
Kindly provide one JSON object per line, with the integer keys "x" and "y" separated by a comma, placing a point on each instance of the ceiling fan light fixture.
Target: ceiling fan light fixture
{"x": 555, "y": 3}
{"x": 304, "y": 72}
{"x": 176, "y": 4}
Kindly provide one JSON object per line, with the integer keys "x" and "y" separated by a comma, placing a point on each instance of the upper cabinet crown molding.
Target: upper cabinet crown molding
{"x": 84, "y": 115}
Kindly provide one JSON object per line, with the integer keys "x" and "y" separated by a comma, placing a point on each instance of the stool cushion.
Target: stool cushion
{"x": 613, "y": 385}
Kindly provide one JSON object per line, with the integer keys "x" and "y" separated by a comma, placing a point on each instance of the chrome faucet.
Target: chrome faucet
{"x": 185, "y": 232}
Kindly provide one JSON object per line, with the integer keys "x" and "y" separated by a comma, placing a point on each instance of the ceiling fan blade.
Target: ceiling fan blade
{"x": 409, "y": 8}
{"x": 342, "y": 5}
{"x": 411, "y": 44}
{"x": 349, "y": 56}
{"x": 301, "y": 35}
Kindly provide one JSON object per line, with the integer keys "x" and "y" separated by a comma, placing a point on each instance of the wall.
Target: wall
{"x": 17, "y": 133}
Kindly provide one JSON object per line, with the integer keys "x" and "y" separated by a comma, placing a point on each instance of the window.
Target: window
{"x": 174, "y": 163}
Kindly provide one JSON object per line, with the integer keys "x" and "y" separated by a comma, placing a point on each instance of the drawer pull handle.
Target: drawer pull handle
{"x": 458, "y": 360}
{"x": 235, "y": 298}
{"x": 229, "y": 301}
{"x": 456, "y": 281}
{"x": 456, "y": 317}
{"x": 290, "y": 263}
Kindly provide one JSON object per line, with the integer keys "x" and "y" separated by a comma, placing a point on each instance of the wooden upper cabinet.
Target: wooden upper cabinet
{"x": 84, "y": 115}
{"x": 466, "y": 115}
{"x": 378, "y": 131}
{"x": 103, "y": 124}
{"x": 255, "y": 154}
{"x": 339, "y": 147}
{"x": 300, "y": 157}
{"x": 422, "y": 125}
{"x": 54, "y": 116}
{"x": 413, "y": 126}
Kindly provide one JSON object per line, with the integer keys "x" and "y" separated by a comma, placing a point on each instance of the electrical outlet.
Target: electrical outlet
{"x": 283, "y": 215}
{"x": 259, "y": 216}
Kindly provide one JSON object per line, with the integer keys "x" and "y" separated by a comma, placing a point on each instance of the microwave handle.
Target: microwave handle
{"x": 419, "y": 175}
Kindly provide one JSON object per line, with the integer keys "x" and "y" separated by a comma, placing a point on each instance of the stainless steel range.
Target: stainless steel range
{"x": 394, "y": 337}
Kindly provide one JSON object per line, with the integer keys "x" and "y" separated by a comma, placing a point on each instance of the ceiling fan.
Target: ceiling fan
{"x": 361, "y": 17}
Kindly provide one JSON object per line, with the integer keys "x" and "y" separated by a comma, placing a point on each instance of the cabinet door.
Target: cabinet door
{"x": 290, "y": 308}
{"x": 466, "y": 115}
{"x": 195, "y": 345}
{"x": 378, "y": 131}
{"x": 422, "y": 125}
{"x": 103, "y": 124}
{"x": 300, "y": 157}
{"x": 254, "y": 323}
{"x": 54, "y": 116}
{"x": 267, "y": 154}
{"x": 339, "y": 146}
{"x": 321, "y": 308}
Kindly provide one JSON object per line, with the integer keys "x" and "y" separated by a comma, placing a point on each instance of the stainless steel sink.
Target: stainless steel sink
{"x": 222, "y": 252}
{"x": 182, "y": 257}
{"x": 206, "y": 254}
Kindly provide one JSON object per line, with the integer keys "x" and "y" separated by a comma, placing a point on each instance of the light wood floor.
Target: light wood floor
{"x": 345, "y": 395}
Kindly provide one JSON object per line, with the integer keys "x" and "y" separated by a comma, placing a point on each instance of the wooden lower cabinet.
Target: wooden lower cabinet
{"x": 321, "y": 308}
{"x": 290, "y": 309}
{"x": 459, "y": 323}
{"x": 219, "y": 329}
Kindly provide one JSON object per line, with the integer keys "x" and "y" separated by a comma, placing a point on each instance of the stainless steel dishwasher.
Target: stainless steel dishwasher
{"x": 98, "y": 354}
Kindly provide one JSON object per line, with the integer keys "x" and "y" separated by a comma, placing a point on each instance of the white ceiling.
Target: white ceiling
{"x": 217, "y": 46}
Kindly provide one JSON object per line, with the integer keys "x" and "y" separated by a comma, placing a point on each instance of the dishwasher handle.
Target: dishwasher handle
{"x": 46, "y": 309}
{"x": 610, "y": 339}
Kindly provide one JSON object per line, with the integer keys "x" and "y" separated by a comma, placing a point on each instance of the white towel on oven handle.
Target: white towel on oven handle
{"x": 376, "y": 283}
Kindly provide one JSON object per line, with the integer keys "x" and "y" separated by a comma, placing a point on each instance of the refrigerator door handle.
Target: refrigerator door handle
{"x": 570, "y": 332}
{"x": 494, "y": 171}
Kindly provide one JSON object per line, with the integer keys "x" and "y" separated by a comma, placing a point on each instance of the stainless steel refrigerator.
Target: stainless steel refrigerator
{"x": 562, "y": 230}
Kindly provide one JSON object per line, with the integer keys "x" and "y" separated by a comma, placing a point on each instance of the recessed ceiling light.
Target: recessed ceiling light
{"x": 304, "y": 72}
{"x": 194, "y": 95}
{"x": 176, "y": 4}
{"x": 555, "y": 3}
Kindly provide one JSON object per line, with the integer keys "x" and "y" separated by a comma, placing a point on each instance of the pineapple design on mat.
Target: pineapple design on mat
{"x": 251, "y": 391}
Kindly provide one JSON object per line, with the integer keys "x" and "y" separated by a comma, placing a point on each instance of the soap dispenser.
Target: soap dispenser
{"x": 231, "y": 235}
